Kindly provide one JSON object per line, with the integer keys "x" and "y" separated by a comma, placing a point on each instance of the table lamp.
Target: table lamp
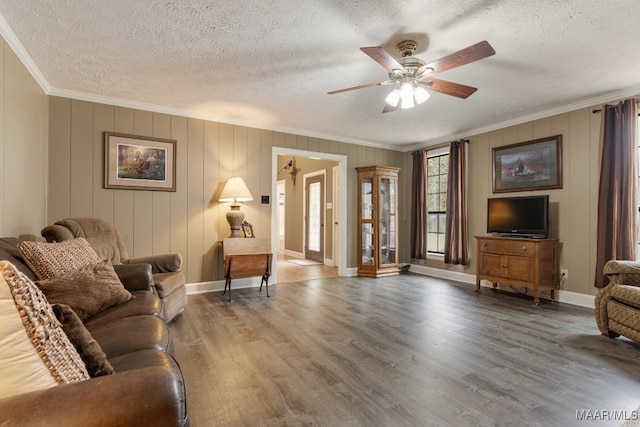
{"x": 234, "y": 191}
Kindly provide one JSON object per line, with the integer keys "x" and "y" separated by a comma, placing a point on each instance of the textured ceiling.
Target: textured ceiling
{"x": 269, "y": 63}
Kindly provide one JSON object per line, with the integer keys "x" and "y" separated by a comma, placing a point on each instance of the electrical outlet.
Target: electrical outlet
{"x": 564, "y": 273}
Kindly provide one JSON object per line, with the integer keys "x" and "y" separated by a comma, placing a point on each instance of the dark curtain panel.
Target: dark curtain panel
{"x": 617, "y": 192}
{"x": 419, "y": 207}
{"x": 455, "y": 244}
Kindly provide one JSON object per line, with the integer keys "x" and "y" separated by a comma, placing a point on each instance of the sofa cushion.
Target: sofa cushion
{"x": 144, "y": 303}
{"x": 92, "y": 355}
{"x": 87, "y": 290}
{"x": 629, "y": 295}
{"x": 129, "y": 334}
{"x": 35, "y": 353}
{"x": 168, "y": 283}
{"x": 144, "y": 359}
{"x": 48, "y": 260}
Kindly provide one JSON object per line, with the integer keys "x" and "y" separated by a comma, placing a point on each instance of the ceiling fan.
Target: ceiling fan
{"x": 413, "y": 76}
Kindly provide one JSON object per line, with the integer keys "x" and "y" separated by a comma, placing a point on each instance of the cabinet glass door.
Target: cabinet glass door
{"x": 387, "y": 220}
{"x": 368, "y": 246}
{"x": 367, "y": 231}
{"x": 366, "y": 186}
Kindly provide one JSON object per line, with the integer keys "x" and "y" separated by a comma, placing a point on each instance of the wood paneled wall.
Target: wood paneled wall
{"x": 573, "y": 209}
{"x": 190, "y": 220}
{"x": 23, "y": 149}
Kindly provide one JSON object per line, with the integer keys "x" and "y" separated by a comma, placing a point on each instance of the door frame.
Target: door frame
{"x": 342, "y": 191}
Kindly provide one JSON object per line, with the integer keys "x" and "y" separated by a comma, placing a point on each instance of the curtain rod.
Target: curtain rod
{"x": 600, "y": 109}
{"x": 435, "y": 147}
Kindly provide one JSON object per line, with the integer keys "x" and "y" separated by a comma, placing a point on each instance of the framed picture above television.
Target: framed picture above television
{"x": 529, "y": 165}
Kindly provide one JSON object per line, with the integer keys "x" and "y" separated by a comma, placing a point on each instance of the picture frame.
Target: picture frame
{"x": 527, "y": 166}
{"x": 134, "y": 162}
{"x": 248, "y": 229}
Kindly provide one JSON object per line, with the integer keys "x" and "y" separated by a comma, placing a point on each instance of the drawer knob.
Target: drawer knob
{"x": 524, "y": 248}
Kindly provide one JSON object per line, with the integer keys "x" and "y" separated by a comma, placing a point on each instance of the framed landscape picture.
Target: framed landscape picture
{"x": 529, "y": 165}
{"x": 139, "y": 163}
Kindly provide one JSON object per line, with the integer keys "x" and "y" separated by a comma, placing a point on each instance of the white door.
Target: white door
{"x": 314, "y": 218}
{"x": 280, "y": 201}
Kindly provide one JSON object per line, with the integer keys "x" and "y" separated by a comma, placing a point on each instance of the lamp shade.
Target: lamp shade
{"x": 235, "y": 190}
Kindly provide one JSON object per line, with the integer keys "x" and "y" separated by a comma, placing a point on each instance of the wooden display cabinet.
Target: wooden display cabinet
{"x": 377, "y": 221}
{"x": 520, "y": 262}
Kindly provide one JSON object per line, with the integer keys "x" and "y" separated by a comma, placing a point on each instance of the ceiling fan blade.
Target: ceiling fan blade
{"x": 389, "y": 108}
{"x": 384, "y": 83}
{"x": 381, "y": 56}
{"x": 448, "y": 88}
{"x": 465, "y": 56}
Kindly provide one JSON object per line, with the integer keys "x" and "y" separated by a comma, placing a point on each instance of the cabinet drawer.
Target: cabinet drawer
{"x": 508, "y": 247}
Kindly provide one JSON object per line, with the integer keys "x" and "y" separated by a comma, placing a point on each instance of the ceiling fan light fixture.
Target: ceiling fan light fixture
{"x": 421, "y": 94}
{"x": 406, "y": 95}
{"x": 393, "y": 98}
{"x": 407, "y": 103}
{"x": 406, "y": 91}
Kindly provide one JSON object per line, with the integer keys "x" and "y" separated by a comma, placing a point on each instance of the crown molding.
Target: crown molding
{"x": 126, "y": 103}
{"x": 22, "y": 54}
{"x": 566, "y": 108}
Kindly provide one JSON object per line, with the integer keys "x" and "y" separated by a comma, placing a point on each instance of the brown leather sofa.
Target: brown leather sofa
{"x": 147, "y": 387}
{"x": 105, "y": 239}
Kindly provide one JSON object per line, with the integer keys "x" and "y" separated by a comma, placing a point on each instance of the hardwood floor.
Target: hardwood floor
{"x": 290, "y": 272}
{"x": 406, "y": 350}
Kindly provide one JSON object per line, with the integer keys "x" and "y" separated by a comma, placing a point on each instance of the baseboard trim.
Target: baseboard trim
{"x": 293, "y": 254}
{"x": 573, "y": 298}
{"x": 351, "y": 272}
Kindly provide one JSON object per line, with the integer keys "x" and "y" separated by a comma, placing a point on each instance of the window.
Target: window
{"x": 437, "y": 178}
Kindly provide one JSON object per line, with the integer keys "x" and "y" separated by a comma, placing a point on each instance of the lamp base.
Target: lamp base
{"x": 235, "y": 218}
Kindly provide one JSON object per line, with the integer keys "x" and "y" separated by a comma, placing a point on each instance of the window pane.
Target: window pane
{"x": 314, "y": 216}
{"x": 433, "y": 185}
{"x": 438, "y": 167}
{"x": 443, "y": 184}
{"x": 442, "y": 223}
{"x": 432, "y": 166}
{"x": 432, "y": 242}
{"x": 441, "y": 243}
{"x": 432, "y": 202}
{"x": 432, "y": 223}
{"x": 442, "y": 202}
{"x": 444, "y": 165}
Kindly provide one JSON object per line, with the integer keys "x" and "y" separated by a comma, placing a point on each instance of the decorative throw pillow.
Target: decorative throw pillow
{"x": 94, "y": 358}
{"x": 35, "y": 353}
{"x": 48, "y": 260}
{"x": 87, "y": 290}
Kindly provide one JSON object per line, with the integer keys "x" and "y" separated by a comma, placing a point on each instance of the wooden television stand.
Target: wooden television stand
{"x": 520, "y": 262}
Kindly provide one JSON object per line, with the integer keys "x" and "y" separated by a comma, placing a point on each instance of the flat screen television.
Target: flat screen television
{"x": 526, "y": 216}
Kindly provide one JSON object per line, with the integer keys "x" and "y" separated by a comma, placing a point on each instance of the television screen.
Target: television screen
{"x": 519, "y": 216}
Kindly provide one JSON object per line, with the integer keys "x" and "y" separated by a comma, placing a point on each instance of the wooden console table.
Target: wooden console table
{"x": 520, "y": 262}
{"x": 246, "y": 257}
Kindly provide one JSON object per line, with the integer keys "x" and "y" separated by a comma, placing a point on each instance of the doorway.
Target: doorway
{"x": 334, "y": 245}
